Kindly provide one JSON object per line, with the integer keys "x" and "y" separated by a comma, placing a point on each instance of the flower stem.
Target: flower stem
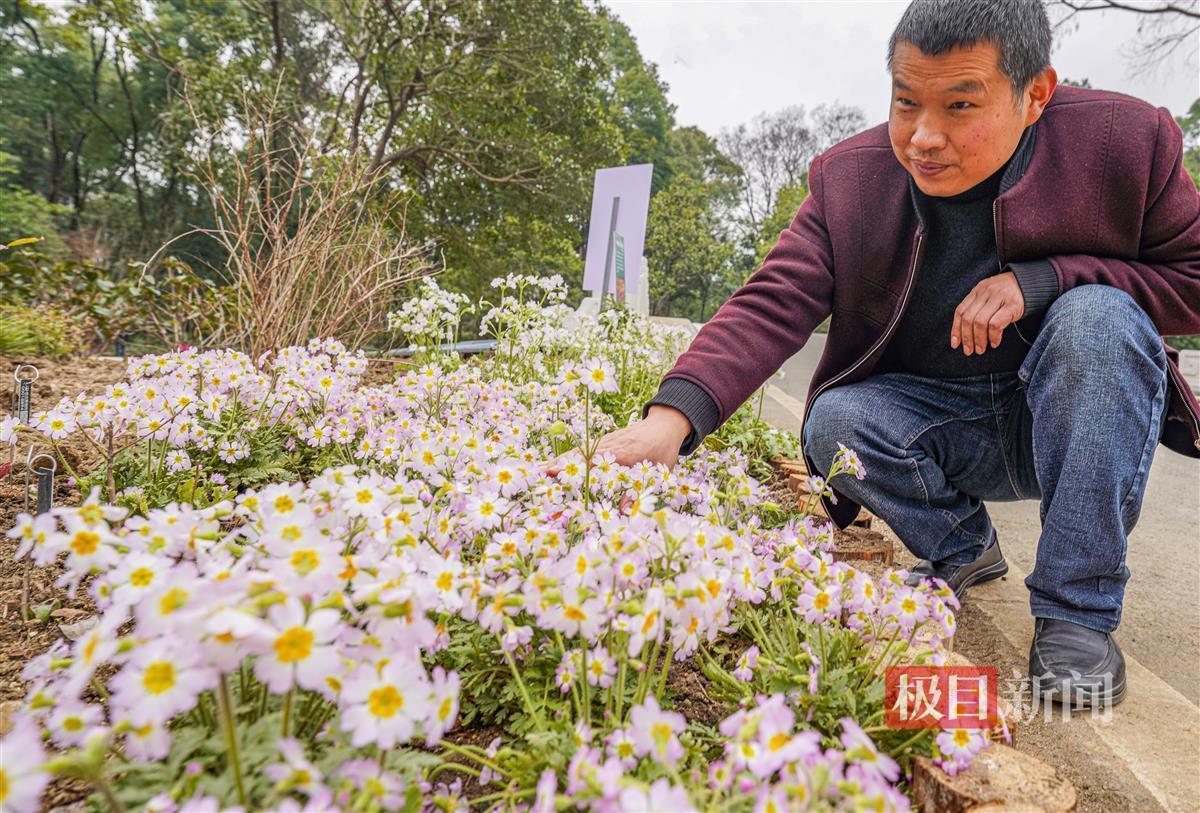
{"x": 904, "y": 745}
{"x": 482, "y": 760}
{"x": 287, "y": 712}
{"x": 587, "y": 695}
{"x": 229, "y": 723}
{"x": 537, "y": 717}
{"x": 102, "y": 785}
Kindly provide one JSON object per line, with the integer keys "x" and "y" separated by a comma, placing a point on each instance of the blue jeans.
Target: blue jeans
{"x": 1075, "y": 427}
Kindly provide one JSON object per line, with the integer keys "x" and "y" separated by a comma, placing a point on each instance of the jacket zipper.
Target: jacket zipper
{"x": 887, "y": 333}
{"x": 1000, "y": 262}
{"x": 1186, "y": 406}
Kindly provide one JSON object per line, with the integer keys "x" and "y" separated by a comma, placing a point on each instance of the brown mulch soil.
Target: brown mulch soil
{"x": 22, "y": 640}
{"x": 384, "y": 371}
{"x": 688, "y": 688}
{"x": 58, "y": 379}
{"x": 64, "y": 378}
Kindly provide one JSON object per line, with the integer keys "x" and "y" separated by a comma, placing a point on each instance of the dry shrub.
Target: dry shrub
{"x": 315, "y": 247}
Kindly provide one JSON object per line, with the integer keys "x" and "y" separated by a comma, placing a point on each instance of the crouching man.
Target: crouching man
{"x": 999, "y": 259}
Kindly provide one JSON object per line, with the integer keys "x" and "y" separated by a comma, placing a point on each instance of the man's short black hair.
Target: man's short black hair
{"x": 1019, "y": 29}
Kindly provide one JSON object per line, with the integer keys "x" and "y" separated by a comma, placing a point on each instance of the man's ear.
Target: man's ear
{"x": 1040, "y": 89}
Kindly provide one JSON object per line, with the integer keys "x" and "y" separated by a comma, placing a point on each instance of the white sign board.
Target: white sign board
{"x": 629, "y": 188}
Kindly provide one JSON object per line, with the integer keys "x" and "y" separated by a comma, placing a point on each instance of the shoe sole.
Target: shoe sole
{"x": 1084, "y": 699}
{"x": 988, "y": 574}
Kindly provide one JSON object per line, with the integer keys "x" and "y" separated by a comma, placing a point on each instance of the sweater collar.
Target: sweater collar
{"x": 1014, "y": 169}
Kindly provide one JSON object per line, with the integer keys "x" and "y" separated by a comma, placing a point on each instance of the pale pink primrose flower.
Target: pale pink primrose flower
{"x": 662, "y": 795}
{"x": 22, "y": 777}
{"x": 295, "y": 650}
{"x": 655, "y": 732}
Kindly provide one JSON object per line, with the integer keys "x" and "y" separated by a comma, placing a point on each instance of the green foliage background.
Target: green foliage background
{"x": 485, "y": 119}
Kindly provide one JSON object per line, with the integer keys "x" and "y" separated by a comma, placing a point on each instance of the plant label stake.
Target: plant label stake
{"x": 23, "y": 392}
{"x": 45, "y": 482}
{"x": 45, "y": 501}
{"x": 21, "y": 399}
{"x": 28, "y": 469}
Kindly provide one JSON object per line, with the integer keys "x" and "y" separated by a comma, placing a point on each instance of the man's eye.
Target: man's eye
{"x": 903, "y": 101}
{"x": 966, "y": 105}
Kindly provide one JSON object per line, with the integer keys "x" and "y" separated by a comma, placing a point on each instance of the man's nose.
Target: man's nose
{"x": 928, "y": 139}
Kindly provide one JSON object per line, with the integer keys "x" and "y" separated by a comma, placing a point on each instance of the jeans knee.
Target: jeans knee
{"x": 1094, "y": 324}
{"x": 831, "y": 419}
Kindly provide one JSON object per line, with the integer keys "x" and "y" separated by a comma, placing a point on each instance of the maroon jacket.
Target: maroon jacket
{"x": 1105, "y": 199}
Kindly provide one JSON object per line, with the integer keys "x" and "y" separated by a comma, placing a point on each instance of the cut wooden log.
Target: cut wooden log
{"x": 8, "y": 715}
{"x": 786, "y": 467}
{"x": 999, "y": 774}
{"x": 855, "y": 544}
{"x": 795, "y": 474}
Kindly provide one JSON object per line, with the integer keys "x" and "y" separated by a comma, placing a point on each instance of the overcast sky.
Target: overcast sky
{"x": 727, "y": 61}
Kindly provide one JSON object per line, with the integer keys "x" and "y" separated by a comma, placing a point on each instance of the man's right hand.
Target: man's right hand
{"x": 656, "y": 438}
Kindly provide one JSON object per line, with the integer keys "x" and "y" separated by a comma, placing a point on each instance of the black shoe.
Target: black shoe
{"x": 1069, "y": 663}
{"x": 990, "y": 565}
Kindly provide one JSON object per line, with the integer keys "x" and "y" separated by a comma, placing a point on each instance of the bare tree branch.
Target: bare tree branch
{"x": 1162, "y": 28}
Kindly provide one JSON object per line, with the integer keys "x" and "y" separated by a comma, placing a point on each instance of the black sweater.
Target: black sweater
{"x": 960, "y": 252}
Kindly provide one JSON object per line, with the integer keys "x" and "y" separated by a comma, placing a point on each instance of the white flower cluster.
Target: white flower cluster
{"x": 432, "y": 317}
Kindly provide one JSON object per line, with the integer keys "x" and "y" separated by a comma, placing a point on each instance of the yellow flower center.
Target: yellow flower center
{"x": 85, "y": 543}
{"x": 294, "y": 645}
{"x": 385, "y": 702}
{"x": 908, "y": 605}
{"x": 305, "y": 561}
{"x": 73, "y": 724}
{"x": 172, "y": 601}
{"x": 445, "y": 709}
{"x": 821, "y": 601}
{"x": 158, "y": 677}
{"x": 650, "y": 619}
{"x": 661, "y": 733}
{"x": 778, "y": 741}
{"x": 141, "y": 577}
{"x": 283, "y": 504}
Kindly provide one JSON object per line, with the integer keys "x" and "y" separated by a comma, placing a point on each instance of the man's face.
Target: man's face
{"x": 953, "y": 119}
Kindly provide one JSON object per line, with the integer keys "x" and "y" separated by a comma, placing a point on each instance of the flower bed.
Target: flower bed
{"x": 315, "y": 593}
